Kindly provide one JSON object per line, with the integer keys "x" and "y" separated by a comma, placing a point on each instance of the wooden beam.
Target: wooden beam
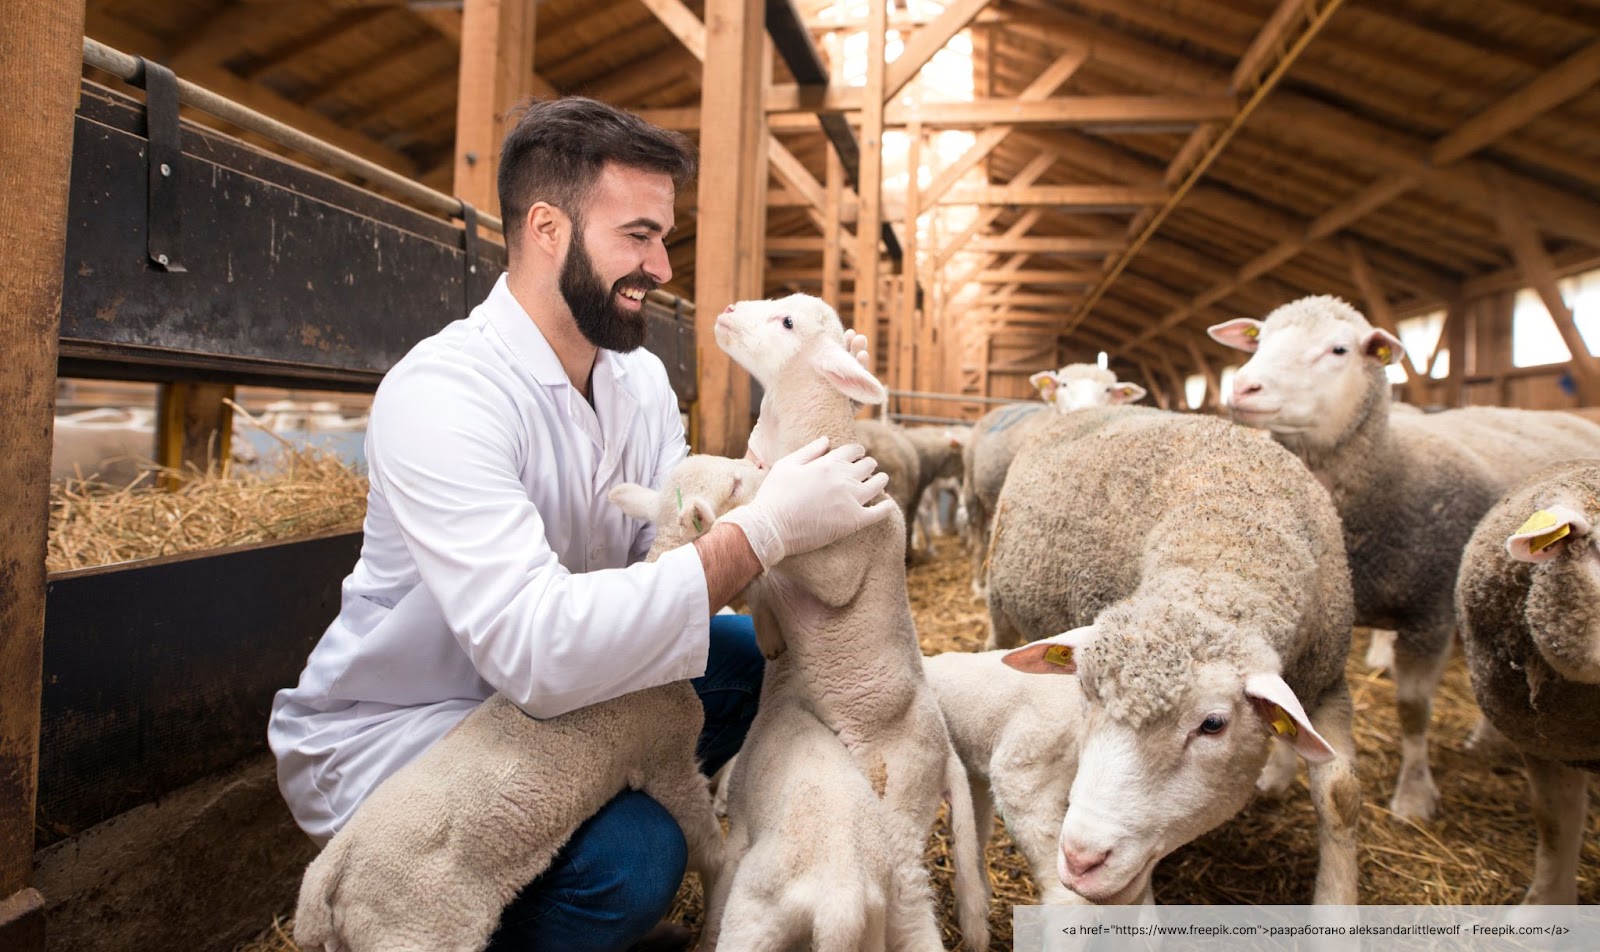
{"x": 927, "y": 41}
{"x": 794, "y": 174}
{"x": 1572, "y": 77}
{"x": 1077, "y": 197}
{"x": 683, "y": 24}
{"x": 1527, "y": 248}
{"x": 1029, "y": 174}
{"x": 1062, "y": 302}
{"x": 729, "y": 180}
{"x": 1043, "y": 245}
{"x": 870, "y": 180}
{"x": 1036, "y": 276}
{"x": 1052, "y": 78}
{"x": 794, "y": 244}
{"x": 652, "y": 73}
{"x": 906, "y": 312}
{"x": 1104, "y": 113}
{"x": 43, "y": 49}
{"x": 497, "y": 39}
{"x": 831, "y": 230}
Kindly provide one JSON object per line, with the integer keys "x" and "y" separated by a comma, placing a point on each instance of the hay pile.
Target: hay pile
{"x": 1480, "y": 851}
{"x": 305, "y": 491}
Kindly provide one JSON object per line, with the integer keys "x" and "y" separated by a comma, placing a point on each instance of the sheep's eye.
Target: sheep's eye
{"x": 788, "y": 323}
{"x": 1340, "y": 349}
{"x": 1213, "y": 724}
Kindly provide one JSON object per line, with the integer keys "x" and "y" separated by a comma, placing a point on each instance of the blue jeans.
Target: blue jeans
{"x": 618, "y": 875}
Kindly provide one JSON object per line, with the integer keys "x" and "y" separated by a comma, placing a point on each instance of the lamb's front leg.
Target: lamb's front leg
{"x": 1336, "y": 795}
{"x": 1419, "y": 661}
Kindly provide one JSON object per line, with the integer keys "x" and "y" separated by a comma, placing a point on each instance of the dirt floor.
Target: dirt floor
{"x": 1479, "y": 850}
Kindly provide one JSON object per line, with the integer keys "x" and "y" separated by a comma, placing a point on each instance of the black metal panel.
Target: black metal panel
{"x": 669, "y": 334}
{"x": 162, "y": 672}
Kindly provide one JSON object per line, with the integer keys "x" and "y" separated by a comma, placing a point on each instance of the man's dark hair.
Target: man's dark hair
{"x": 555, "y": 153}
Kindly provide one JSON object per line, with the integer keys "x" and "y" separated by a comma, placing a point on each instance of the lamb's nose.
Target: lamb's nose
{"x": 1243, "y": 387}
{"x": 1081, "y": 863}
{"x": 728, "y": 309}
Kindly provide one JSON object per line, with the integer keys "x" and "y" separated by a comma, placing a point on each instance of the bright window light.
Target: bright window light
{"x": 1397, "y": 372}
{"x": 1534, "y": 337}
{"x": 1419, "y": 335}
{"x": 1194, "y": 390}
{"x": 1226, "y": 383}
{"x": 1103, "y": 360}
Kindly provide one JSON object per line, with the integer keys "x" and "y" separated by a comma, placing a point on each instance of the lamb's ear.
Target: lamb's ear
{"x": 1052, "y": 655}
{"x": 1536, "y": 540}
{"x": 1241, "y": 334}
{"x": 1382, "y": 346}
{"x": 1046, "y": 382}
{"x": 847, "y": 375}
{"x": 1278, "y": 706}
{"x": 1127, "y": 393}
{"x": 695, "y": 517}
{"x": 635, "y": 500}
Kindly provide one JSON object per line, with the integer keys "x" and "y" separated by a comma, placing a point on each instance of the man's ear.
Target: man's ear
{"x": 548, "y": 228}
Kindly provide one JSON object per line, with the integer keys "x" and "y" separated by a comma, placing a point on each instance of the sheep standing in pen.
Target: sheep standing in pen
{"x": 1203, "y": 577}
{"x": 1529, "y": 601}
{"x": 843, "y": 615}
{"x": 999, "y": 434}
{"x": 897, "y": 457}
{"x": 1409, "y": 487}
{"x": 939, "y": 458}
{"x": 436, "y": 852}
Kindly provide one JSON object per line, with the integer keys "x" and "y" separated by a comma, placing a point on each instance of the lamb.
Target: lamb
{"x": 1408, "y": 487}
{"x": 843, "y": 614}
{"x": 436, "y": 852}
{"x": 897, "y": 456}
{"x": 939, "y": 458}
{"x": 807, "y": 852}
{"x": 1203, "y": 579}
{"x": 1531, "y": 626}
{"x": 999, "y": 434}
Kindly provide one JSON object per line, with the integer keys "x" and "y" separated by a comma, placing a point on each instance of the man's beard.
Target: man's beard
{"x": 594, "y": 306}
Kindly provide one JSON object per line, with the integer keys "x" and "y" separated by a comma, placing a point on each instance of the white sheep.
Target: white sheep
{"x": 842, "y": 611}
{"x": 897, "y": 456}
{"x": 1409, "y": 487}
{"x": 1530, "y": 622}
{"x": 1203, "y": 578}
{"x": 939, "y": 452}
{"x": 808, "y": 856}
{"x": 431, "y": 858}
{"x": 1076, "y": 386}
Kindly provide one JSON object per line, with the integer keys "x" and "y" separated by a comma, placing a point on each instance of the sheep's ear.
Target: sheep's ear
{"x": 847, "y": 375}
{"x": 1127, "y": 393}
{"x": 1382, "y": 346}
{"x": 1052, "y": 655}
{"x": 696, "y": 517}
{"x": 1281, "y": 710}
{"x": 1046, "y": 382}
{"x": 1536, "y": 540}
{"x": 635, "y": 500}
{"x": 1240, "y": 334}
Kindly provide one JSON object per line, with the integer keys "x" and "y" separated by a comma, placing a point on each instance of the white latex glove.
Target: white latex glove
{"x": 810, "y": 498}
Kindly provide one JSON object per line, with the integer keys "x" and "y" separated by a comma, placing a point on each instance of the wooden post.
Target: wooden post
{"x": 869, "y": 181}
{"x": 1455, "y": 326}
{"x": 733, "y": 171}
{"x": 496, "y": 74}
{"x": 42, "y": 51}
{"x": 832, "y": 231}
{"x": 905, "y": 315}
{"x": 194, "y": 428}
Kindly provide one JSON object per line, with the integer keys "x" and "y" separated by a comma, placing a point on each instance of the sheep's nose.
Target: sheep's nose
{"x": 728, "y": 309}
{"x": 1081, "y": 863}
{"x": 1243, "y": 387}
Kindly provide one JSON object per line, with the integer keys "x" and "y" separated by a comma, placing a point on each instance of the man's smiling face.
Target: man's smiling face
{"x": 617, "y": 255}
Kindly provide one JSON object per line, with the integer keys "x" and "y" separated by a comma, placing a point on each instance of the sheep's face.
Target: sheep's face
{"x": 1077, "y": 386}
{"x": 1156, "y": 772}
{"x": 1317, "y": 361}
{"x": 700, "y": 490}
{"x": 764, "y": 335}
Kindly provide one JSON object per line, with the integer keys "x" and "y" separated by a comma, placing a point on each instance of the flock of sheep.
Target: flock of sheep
{"x": 1187, "y": 584}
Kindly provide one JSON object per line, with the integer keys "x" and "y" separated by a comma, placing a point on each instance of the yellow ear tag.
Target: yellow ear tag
{"x": 1543, "y": 519}
{"x": 1059, "y": 655}
{"x": 1252, "y": 332}
{"x": 1282, "y": 723}
{"x": 1383, "y": 354}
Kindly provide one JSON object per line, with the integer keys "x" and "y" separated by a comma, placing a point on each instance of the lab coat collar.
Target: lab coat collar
{"x": 523, "y": 336}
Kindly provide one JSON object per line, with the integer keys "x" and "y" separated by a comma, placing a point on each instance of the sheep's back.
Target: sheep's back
{"x": 1532, "y": 704}
{"x": 896, "y": 456}
{"x": 1515, "y": 444}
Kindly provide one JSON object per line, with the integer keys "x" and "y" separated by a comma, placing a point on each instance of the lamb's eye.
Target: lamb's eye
{"x": 788, "y": 323}
{"x": 1213, "y": 724}
{"x": 1340, "y": 349}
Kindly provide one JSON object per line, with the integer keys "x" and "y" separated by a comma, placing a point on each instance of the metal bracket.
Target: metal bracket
{"x": 469, "y": 244}
{"x": 163, "y": 221}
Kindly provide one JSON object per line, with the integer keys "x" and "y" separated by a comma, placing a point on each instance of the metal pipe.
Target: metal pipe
{"x": 918, "y": 418}
{"x": 959, "y": 398}
{"x": 127, "y": 68}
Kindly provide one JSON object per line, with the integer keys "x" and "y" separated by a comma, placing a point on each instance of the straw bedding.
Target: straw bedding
{"x": 1479, "y": 852}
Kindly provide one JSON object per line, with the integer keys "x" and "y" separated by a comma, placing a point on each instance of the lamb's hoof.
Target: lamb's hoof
{"x": 981, "y": 593}
{"x": 1415, "y": 800}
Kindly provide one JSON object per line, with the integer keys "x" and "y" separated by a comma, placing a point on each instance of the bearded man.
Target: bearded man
{"x": 492, "y": 559}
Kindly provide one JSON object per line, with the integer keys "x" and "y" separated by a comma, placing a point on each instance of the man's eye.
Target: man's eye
{"x": 788, "y": 323}
{"x": 640, "y": 237}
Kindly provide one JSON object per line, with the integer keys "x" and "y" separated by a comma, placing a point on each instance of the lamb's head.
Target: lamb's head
{"x": 1563, "y": 605}
{"x": 765, "y": 336}
{"x": 700, "y": 490}
{"x": 1076, "y": 386}
{"x": 1318, "y": 368}
{"x": 1181, "y": 716}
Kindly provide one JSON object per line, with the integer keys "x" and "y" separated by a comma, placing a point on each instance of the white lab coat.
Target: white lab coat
{"x": 492, "y": 559}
